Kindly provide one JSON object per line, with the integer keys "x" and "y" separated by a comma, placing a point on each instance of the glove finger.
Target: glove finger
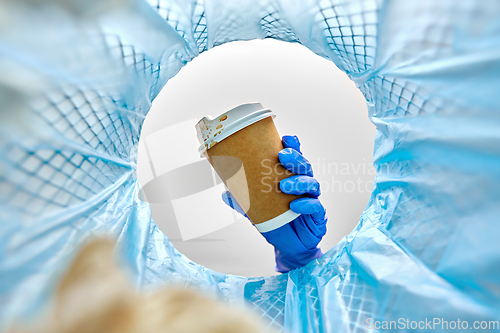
{"x": 295, "y": 162}
{"x": 291, "y": 141}
{"x": 229, "y": 200}
{"x": 309, "y": 206}
{"x": 301, "y": 185}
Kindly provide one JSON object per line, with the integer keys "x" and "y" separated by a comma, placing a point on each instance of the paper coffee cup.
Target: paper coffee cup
{"x": 242, "y": 145}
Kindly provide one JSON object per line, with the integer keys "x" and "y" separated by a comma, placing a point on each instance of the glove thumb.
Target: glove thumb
{"x": 229, "y": 200}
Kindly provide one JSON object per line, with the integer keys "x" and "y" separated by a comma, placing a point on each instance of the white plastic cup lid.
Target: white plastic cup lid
{"x": 210, "y": 131}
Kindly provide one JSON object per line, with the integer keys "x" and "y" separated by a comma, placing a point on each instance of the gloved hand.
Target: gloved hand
{"x": 295, "y": 243}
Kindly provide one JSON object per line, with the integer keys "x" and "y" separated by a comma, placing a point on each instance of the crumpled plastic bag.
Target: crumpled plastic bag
{"x": 78, "y": 80}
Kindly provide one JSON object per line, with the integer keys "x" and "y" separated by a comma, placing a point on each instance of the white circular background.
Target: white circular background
{"x": 312, "y": 99}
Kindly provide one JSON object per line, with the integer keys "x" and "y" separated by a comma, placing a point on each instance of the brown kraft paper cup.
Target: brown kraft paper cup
{"x": 256, "y": 148}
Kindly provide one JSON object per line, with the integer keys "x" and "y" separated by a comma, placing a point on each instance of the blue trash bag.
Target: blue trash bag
{"x": 77, "y": 80}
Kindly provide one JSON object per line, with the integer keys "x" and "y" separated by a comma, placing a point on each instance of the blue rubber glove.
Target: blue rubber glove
{"x": 295, "y": 243}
